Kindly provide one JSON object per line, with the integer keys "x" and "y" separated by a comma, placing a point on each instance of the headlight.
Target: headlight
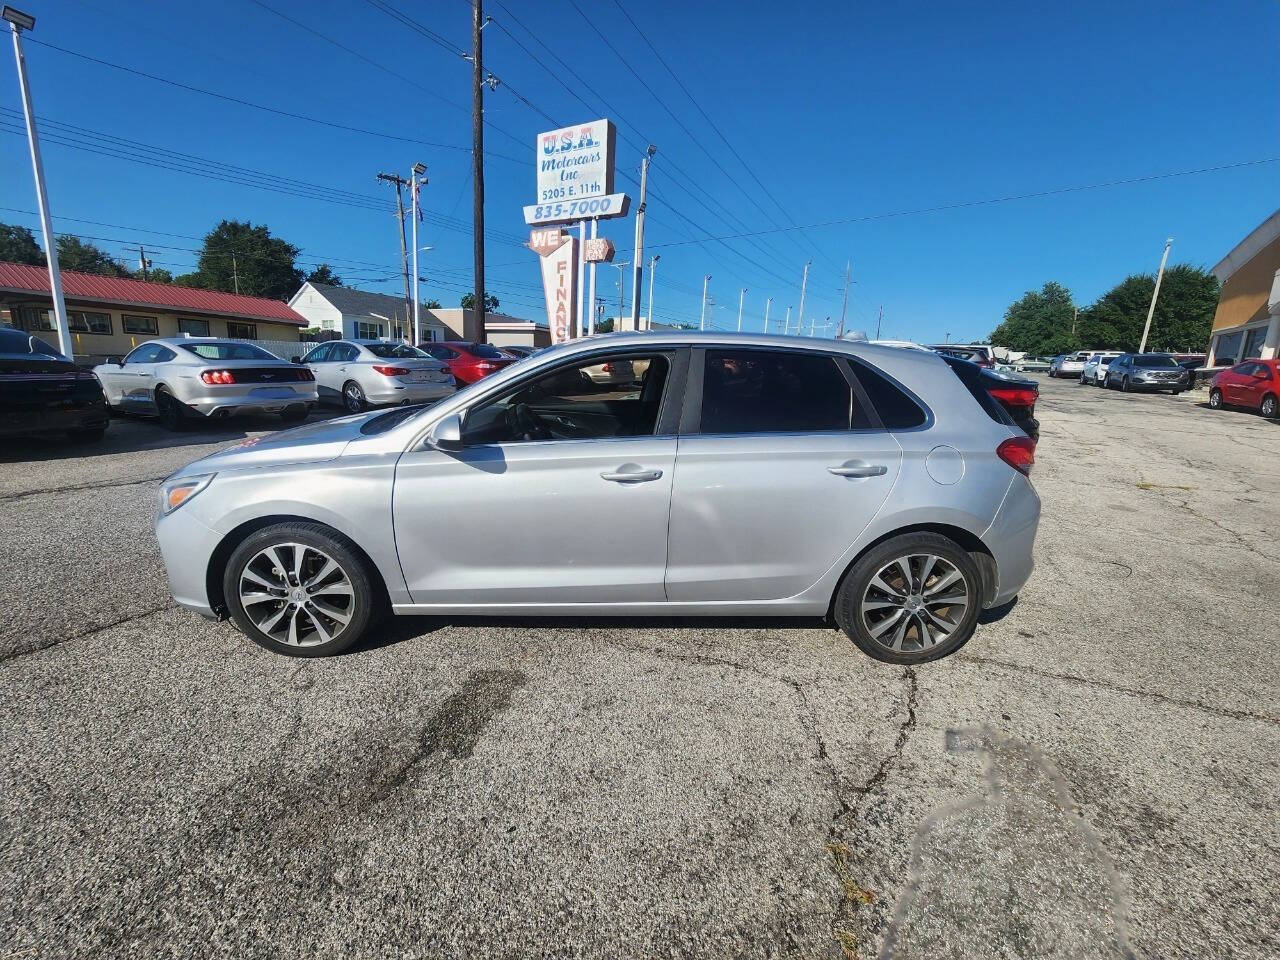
{"x": 174, "y": 493}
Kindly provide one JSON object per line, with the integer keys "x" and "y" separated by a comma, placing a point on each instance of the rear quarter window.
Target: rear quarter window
{"x": 896, "y": 408}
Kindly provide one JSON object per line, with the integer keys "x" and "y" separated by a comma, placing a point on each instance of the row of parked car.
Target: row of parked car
{"x": 180, "y": 379}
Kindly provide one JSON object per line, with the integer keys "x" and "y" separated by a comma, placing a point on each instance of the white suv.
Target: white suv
{"x": 1095, "y": 368}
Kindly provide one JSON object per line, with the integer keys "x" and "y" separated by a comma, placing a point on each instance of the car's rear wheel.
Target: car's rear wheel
{"x": 300, "y": 589}
{"x": 353, "y": 397}
{"x": 171, "y": 411}
{"x": 1270, "y": 407}
{"x": 1215, "y": 399}
{"x": 912, "y": 599}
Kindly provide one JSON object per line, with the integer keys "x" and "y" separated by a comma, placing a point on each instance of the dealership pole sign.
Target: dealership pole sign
{"x": 558, "y": 252}
{"x": 575, "y": 175}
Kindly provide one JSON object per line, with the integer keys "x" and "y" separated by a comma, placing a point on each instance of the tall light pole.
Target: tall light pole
{"x": 638, "y": 259}
{"x": 702, "y": 320}
{"x": 742, "y": 294}
{"x": 653, "y": 263}
{"x": 622, "y": 291}
{"x": 803, "y": 284}
{"x": 786, "y": 325}
{"x": 477, "y": 167}
{"x": 767, "y": 304}
{"x": 1151, "y": 311}
{"x": 19, "y": 21}
{"x": 417, "y": 177}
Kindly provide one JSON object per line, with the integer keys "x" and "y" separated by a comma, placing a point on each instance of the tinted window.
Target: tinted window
{"x": 344, "y": 352}
{"x": 441, "y": 353}
{"x": 609, "y": 397}
{"x": 164, "y": 354}
{"x": 896, "y": 410}
{"x": 395, "y": 351}
{"x": 229, "y": 351}
{"x": 18, "y": 341}
{"x": 758, "y": 391}
{"x": 486, "y": 351}
{"x": 144, "y": 354}
{"x": 318, "y": 355}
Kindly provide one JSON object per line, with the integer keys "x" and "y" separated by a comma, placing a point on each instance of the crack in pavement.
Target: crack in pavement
{"x": 1226, "y": 712}
{"x": 77, "y": 487}
{"x": 129, "y": 618}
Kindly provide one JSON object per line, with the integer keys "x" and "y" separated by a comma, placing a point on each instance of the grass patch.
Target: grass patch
{"x": 855, "y": 896}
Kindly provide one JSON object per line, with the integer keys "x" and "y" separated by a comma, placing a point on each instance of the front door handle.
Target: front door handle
{"x": 632, "y": 476}
{"x": 860, "y": 470}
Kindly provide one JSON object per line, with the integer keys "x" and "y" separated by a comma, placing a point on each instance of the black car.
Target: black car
{"x": 42, "y": 392}
{"x": 1014, "y": 397}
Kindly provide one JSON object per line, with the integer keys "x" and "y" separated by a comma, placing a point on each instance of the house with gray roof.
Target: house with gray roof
{"x": 360, "y": 314}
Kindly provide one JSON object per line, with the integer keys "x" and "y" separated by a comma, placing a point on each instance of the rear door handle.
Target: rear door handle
{"x": 860, "y": 470}
{"x": 632, "y": 476}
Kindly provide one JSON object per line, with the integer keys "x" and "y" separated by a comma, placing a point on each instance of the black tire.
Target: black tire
{"x": 294, "y": 414}
{"x": 353, "y": 398}
{"x": 857, "y": 582}
{"x": 1215, "y": 399}
{"x": 1270, "y": 407}
{"x": 366, "y": 599}
{"x": 1124, "y": 384}
{"x": 171, "y": 411}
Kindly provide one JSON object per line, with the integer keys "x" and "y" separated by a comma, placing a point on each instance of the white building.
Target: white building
{"x": 360, "y": 315}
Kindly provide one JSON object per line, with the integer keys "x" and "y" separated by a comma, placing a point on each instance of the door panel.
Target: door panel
{"x": 535, "y": 522}
{"x": 762, "y": 516}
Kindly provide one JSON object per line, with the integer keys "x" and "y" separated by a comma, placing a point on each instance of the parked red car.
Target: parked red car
{"x": 468, "y": 362}
{"x": 1251, "y": 383}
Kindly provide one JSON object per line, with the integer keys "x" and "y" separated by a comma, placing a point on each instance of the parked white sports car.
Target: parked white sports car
{"x": 178, "y": 378}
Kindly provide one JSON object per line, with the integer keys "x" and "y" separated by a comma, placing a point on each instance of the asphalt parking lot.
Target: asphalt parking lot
{"x": 1096, "y": 773}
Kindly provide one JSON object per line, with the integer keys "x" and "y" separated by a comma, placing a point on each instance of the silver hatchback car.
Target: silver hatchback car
{"x": 735, "y": 476}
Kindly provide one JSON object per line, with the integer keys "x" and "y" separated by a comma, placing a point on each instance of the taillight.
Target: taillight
{"x": 485, "y": 365}
{"x": 306, "y": 375}
{"x": 1015, "y": 396}
{"x": 389, "y": 371}
{"x": 1019, "y": 453}
{"x": 218, "y": 376}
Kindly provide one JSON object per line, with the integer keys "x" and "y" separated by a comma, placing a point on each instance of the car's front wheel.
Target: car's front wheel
{"x": 912, "y": 599}
{"x": 1215, "y": 399}
{"x": 300, "y": 589}
{"x": 1270, "y": 407}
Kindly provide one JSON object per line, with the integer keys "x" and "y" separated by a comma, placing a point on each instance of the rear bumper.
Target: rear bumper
{"x": 1011, "y": 539}
{"x": 396, "y": 392}
{"x": 186, "y": 545}
{"x": 249, "y": 399}
{"x": 38, "y": 423}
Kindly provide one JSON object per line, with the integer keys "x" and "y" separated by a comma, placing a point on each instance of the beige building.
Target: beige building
{"x": 109, "y": 316}
{"x": 1247, "y": 322}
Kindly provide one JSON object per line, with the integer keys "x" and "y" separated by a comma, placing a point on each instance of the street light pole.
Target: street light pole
{"x": 1151, "y": 311}
{"x": 786, "y": 325}
{"x": 803, "y": 284}
{"x": 702, "y": 320}
{"x": 416, "y": 179}
{"x": 638, "y": 259}
{"x": 741, "y": 296}
{"x": 767, "y": 304}
{"x": 653, "y": 263}
{"x": 19, "y": 21}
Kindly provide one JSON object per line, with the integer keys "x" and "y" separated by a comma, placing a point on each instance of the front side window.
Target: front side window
{"x": 242, "y": 331}
{"x": 609, "y": 398}
{"x": 319, "y": 354}
{"x": 197, "y": 328}
{"x": 83, "y": 321}
{"x": 368, "y": 331}
{"x": 760, "y": 391}
{"x": 144, "y": 354}
{"x": 135, "y": 324}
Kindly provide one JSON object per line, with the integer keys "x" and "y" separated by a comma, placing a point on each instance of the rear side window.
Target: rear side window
{"x": 897, "y": 411}
{"x": 485, "y": 352}
{"x": 972, "y": 379}
{"x": 761, "y": 391}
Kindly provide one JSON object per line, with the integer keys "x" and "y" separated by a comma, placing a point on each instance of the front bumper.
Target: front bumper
{"x": 186, "y": 545}
{"x": 1157, "y": 384}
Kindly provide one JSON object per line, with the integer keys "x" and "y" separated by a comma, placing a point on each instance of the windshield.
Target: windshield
{"x": 229, "y": 351}
{"x": 1159, "y": 361}
{"x": 486, "y": 352}
{"x": 394, "y": 351}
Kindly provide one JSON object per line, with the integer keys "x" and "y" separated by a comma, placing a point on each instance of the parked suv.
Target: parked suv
{"x": 737, "y": 476}
{"x": 1146, "y": 371}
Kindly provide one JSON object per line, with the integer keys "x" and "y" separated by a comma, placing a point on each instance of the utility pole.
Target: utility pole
{"x": 741, "y": 296}
{"x": 143, "y": 262}
{"x": 19, "y": 21}
{"x": 653, "y": 263}
{"x": 879, "y": 318}
{"x": 638, "y": 259}
{"x": 477, "y": 164}
{"x": 622, "y": 291}
{"x": 1074, "y": 316}
{"x": 803, "y": 284}
{"x": 1151, "y": 311}
{"x": 786, "y": 326}
{"x": 401, "y": 182}
{"x": 235, "y": 273}
{"x": 848, "y": 274}
{"x": 702, "y": 320}
{"x": 812, "y": 322}
{"x": 416, "y": 179}
{"x": 767, "y": 304}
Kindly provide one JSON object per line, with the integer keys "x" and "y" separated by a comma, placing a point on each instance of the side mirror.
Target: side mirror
{"x": 447, "y": 434}
{"x": 120, "y": 362}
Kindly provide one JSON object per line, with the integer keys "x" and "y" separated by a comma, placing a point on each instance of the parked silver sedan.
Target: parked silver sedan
{"x": 741, "y": 475}
{"x": 180, "y": 378}
{"x": 362, "y": 373}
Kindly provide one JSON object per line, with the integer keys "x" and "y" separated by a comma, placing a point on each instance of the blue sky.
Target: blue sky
{"x": 843, "y": 111}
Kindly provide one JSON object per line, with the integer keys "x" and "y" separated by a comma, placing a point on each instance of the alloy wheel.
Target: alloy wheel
{"x": 296, "y": 594}
{"x": 914, "y": 602}
{"x": 353, "y": 396}
{"x": 1215, "y": 399}
{"x": 1270, "y": 407}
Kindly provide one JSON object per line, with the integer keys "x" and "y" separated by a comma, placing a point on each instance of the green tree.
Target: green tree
{"x": 18, "y": 245}
{"x": 1038, "y": 322}
{"x": 324, "y": 274}
{"x": 1182, "y": 320}
{"x": 75, "y": 254}
{"x": 238, "y": 255}
{"x": 469, "y": 301}
{"x": 158, "y": 275}
{"x": 432, "y": 304}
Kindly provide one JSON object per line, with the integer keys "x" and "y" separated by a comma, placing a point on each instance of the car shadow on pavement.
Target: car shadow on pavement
{"x": 995, "y": 614}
